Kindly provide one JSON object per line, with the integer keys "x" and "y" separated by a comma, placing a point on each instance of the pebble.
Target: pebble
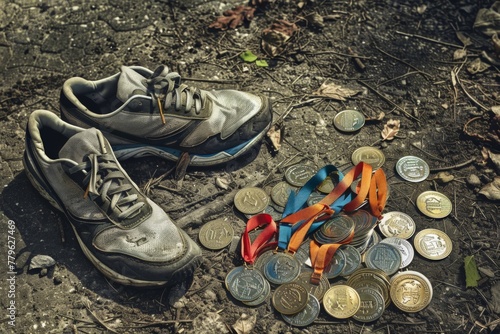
{"x": 41, "y": 262}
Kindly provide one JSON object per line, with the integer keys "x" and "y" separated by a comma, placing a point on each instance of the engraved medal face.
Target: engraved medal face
{"x": 370, "y": 155}
{"x": 290, "y": 298}
{"x": 404, "y": 247}
{"x": 336, "y": 265}
{"x": 349, "y": 120}
{"x": 341, "y": 301}
{"x": 245, "y": 284}
{"x": 216, "y": 234}
{"x": 307, "y": 315}
{"x": 397, "y": 224}
{"x": 353, "y": 259}
{"x": 384, "y": 257}
{"x": 280, "y": 193}
{"x": 410, "y": 291}
{"x": 281, "y": 268}
{"x": 318, "y": 290}
{"x": 298, "y": 175}
{"x": 372, "y": 305}
{"x": 412, "y": 169}
{"x": 433, "y": 244}
{"x": 434, "y": 204}
{"x": 372, "y": 278}
{"x": 251, "y": 200}
{"x": 262, "y": 297}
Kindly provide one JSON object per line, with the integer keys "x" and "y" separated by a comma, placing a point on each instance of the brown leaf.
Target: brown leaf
{"x": 275, "y": 38}
{"x": 233, "y": 18}
{"x": 444, "y": 177}
{"x": 492, "y": 189}
{"x": 379, "y": 117}
{"x": 466, "y": 41}
{"x": 391, "y": 129}
{"x": 335, "y": 91}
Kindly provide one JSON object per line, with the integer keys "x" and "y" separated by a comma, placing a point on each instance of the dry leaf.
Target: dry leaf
{"x": 233, "y": 18}
{"x": 275, "y": 38}
{"x": 245, "y": 324}
{"x": 335, "y": 91}
{"x": 315, "y": 20}
{"x": 496, "y": 44}
{"x": 459, "y": 54}
{"x": 275, "y": 134}
{"x": 466, "y": 41}
{"x": 492, "y": 189}
{"x": 391, "y": 129}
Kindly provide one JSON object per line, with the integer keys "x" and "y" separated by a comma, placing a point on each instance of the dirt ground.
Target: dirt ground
{"x": 405, "y": 69}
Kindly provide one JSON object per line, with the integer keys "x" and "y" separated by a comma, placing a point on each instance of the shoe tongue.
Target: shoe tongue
{"x": 81, "y": 145}
{"x": 130, "y": 83}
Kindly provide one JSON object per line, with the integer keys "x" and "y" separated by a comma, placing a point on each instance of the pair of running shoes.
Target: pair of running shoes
{"x": 74, "y": 163}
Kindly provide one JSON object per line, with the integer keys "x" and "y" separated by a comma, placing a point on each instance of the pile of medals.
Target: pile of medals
{"x": 345, "y": 242}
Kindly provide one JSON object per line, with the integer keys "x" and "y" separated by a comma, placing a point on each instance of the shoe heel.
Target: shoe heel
{"x": 37, "y": 182}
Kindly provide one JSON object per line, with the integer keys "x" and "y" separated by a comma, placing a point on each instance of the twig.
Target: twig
{"x": 357, "y": 60}
{"x": 336, "y": 53}
{"x": 429, "y": 39}
{"x": 211, "y": 80}
{"x": 427, "y": 75}
{"x": 156, "y": 323}
{"x": 432, "y": 156}
{"x": 387, "y": 100}
{"x": 102, "y": 323}
{"x": 460, "y": 165}
{"x": 467, "y": 93}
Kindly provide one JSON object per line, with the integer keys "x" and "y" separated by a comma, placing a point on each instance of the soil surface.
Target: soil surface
{"x": 406, "y": 69}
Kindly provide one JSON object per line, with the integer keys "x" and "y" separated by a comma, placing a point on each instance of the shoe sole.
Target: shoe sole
{"x": 38, "y": 181}
{"x": 124, "y": 152}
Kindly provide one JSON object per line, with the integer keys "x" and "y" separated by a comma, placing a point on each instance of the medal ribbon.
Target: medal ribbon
{"x": 376, "y": 187}
{"x": 249, "y": 250}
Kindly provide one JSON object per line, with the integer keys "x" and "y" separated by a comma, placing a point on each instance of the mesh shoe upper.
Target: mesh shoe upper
{"x": 138, "y": 106}
{"x": 126, "y": 235}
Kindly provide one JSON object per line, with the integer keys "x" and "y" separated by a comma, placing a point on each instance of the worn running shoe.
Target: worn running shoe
{"x": 128, "y": 237}
{"x": 151, "y": 113}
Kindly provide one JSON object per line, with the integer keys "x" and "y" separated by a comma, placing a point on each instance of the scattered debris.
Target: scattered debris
{"x": 335, "y": 91}
{"x": 444, "y": 177}
{"x": 466, "y": 41}
{"x": 473, "y": 180}
{"x": 222, "y": 183}
{"x": 234, "y": 18}
{"x": 245, "y": 324}
{"x": 459, "y": 54}
{"x": 379, "y": 117}
{"x": 275, "y": 134}
{"x": 488, "y": 19}
{"x": 477, "y": 66}
{"x": 315, "y": 20}
{"x": 209, "y": 323}
{"x": 276, "y": 37}
{"x": 492, "y": 190}
{"x": 41, "y": 262}
{"x": 495, "y": 297}
{"x": 391, "y": 129}
{"x": 471, "y": 273}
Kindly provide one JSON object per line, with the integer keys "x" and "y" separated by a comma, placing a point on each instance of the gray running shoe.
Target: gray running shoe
{"x": 151, "y": 113}
{"x": 129, "y": 238}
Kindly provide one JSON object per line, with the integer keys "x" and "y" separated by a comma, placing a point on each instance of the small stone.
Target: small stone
{"x": 473, "y": 180}
{"x": 57, "y": 280}
{"x": 41, "y": 261}
{"x": 43, "y": 272}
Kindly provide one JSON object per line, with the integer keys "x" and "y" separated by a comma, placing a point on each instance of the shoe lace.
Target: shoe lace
{"x": 183, "y": 97}
{"x": 105, "y": 180}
